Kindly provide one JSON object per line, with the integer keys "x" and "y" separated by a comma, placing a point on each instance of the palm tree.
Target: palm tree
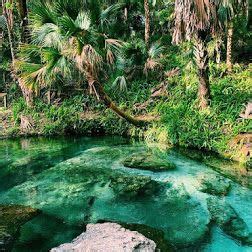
{"x": 199, "y": 21}
{"x": 2, "y": 28}
{"x": 229, "y": 10}
{"x": 193, "y": 21}
{"x": 230, "y": 33}
{"x": 72, "y": 39}
{"x": 7, "y": 18}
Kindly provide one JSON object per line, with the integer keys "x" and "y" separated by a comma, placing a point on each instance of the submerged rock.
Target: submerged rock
{"x": 108, "y": 237}
{"x": 148, "y": 161}
{"x": 154, "y": 234}
{"x": 188, "y": 221}
{"x": 226, "y": 217}
{"x": 133, "y": 185}
{"x": 215, "y": 185}
{"x": 11, "y": 219}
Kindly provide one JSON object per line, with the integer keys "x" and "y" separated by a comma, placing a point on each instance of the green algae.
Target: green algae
{"x": 11, "y": 219}
{"x": 148, "y": 161}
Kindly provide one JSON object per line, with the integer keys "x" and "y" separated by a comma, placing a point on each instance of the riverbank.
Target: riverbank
{"x": 171, "y": 108}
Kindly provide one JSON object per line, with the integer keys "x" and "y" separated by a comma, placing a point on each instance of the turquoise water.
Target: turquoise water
{"x": 75, "y": 181}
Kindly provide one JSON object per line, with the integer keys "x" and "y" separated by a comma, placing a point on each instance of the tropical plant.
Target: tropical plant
{"x": 199, "y": 21}
{"x": 69, "y": 37}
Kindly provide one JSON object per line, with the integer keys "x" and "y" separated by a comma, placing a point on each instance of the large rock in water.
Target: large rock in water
{"x": 148, "y": 161}
{"x": 187, "y": 220}
{"x": 11, "y": 219}
{"x": 108, "y": 237}
{"x": 226, "y": 217}
{"x": 133, "y": 185}
{"x": 215, "y": 185}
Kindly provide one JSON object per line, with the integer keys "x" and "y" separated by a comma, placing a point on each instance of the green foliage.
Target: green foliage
{"x": 213, "y": 128}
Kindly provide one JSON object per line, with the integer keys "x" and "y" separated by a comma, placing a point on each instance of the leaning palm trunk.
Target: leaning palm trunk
{"x": 27, "y": 94}
{"x": 147, "y": 22}
{"x": 101, "y": 95}
{"x": 230, "y": 33}
{"x": 202, "y": 59}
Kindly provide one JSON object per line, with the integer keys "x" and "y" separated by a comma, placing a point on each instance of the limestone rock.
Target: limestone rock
{"x": 148, "y": 161}
{"x": 226, "y": 217}
{"x": 215, "y": 185}
{"x": 108, "y": 237}
{"x": 11, "y": 219}
{"x": 125, "y": 185}
{"x": 193, "y": 224}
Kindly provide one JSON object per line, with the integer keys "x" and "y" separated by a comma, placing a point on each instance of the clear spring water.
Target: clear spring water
{"x": 69, "y": 180}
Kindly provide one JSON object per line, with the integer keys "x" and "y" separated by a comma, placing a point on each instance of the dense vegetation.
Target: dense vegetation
{"x": 179, "y": 71}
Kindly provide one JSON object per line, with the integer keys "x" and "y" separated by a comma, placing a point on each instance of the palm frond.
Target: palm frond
{"x": 48, "y": 35}
{"x": 83, "y": 21}
{"x": 156, "y": 50}
{"x": 120, "y": 84}
{"x": 43, "y": 13}
{"x": 108, "y": 13}
{"x": 113, "y": 47}
{"x": 3, "y": 22}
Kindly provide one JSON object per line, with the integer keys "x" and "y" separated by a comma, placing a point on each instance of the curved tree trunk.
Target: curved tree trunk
{"x": 230, "y": 34}
{"x": 147, "y": 22}
{"x": 23, "y": 12}
{"x": 202, "y": 59}
{"x": 101, "y": 95}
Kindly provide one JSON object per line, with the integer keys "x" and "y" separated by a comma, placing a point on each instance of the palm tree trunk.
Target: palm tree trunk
{"x": 1, "y": 44}
{"x": 101, "y": 94}
{"x": 23, "y": 12}
{"x": 230, "y": 33}
{"x": 218, "y": 50}
{"x": 147, "y": 22}
{"x": 202, "y": 59}
{"x": 249, "y": 15}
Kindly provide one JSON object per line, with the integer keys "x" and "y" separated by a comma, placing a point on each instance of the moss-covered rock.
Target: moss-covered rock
{"x": 188, "y": 221}
{"x": 226, "y": 217}
{"x": 215, "y": 185}
{"x": 148, "y": 161}
{"x": 11, "y": 219}
{"x": 133, "y": 185}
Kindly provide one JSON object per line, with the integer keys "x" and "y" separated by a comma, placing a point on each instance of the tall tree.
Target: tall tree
{"x": 199, "y": 21}
{"x": 230, "y": 33}
{"x": 8, "y": 17}
{"x": 23, "y": 12}
{"x": 230, "y": 10}
{"x": 2, "y": 27}
{"x": 147, "y": 22}
{"x": 193, "y": 21}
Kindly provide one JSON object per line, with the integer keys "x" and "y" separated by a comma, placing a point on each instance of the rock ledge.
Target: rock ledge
{"x": 108, "y": 237}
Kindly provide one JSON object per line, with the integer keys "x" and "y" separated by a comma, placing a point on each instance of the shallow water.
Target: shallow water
{"x": 69, "y": 179}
